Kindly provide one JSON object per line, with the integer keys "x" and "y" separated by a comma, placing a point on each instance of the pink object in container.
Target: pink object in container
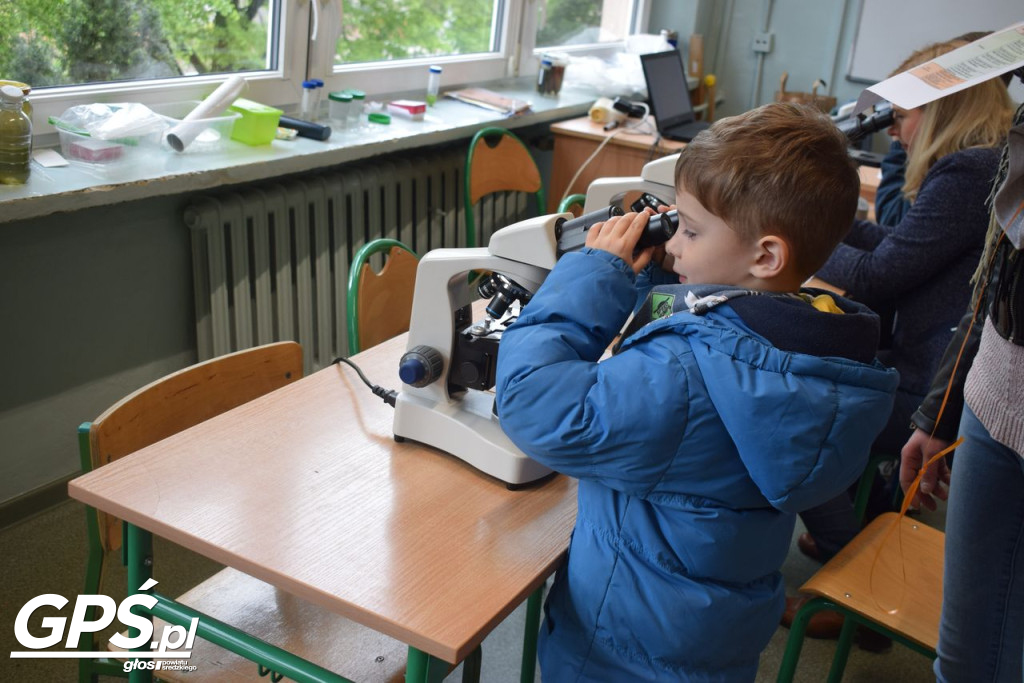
{"x": 409, "y": 109}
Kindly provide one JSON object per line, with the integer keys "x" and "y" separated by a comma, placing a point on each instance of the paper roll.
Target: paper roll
{"x": 182, "y": 135}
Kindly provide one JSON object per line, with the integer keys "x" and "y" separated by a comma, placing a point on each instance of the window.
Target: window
{"x": 583, "y": 22}
{"x": 155, "y": 51}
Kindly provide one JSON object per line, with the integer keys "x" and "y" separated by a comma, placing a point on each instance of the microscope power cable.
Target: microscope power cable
{"x": 389, "y": 396}
{"x": 627, "y": 129}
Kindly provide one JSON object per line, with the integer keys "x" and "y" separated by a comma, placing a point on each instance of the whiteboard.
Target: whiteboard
{"x": 890, "y": 30}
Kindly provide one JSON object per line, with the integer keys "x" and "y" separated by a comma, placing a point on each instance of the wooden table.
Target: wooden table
{"x": 306, "y": 490}
{"x": 625, "y": 155}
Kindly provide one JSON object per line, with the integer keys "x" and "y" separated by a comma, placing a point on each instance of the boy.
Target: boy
{"x": 699, "y": 440}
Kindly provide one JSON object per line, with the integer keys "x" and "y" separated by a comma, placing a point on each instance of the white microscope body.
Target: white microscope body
{"x": 448, "y": 368}
{"x": 444, "y": 412}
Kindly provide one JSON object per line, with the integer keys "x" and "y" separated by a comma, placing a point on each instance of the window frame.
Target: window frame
{"x": 516, "y": 55}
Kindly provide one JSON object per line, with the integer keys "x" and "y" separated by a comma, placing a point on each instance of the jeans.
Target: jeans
{"x": 833, "y": 524}
{"x": 981, "y": 634}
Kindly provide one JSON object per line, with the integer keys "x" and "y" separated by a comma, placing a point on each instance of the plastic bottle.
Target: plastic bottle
{"x": 15, "y": 137}
{"x": 544, "y": 76}
{"x": 433, "y": 84}
{"x": 318, "y": 98}
{"x": 307, "y": 108}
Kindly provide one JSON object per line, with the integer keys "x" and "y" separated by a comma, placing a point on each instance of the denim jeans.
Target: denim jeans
{"x": 981, "y": 635}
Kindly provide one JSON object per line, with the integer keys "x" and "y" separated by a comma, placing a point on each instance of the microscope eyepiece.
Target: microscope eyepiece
{"x": 659, "y": 229}
{"x": 861, "y": 125}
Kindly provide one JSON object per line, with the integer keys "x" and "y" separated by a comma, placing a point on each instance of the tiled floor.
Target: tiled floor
{"x": 46, "y": 554}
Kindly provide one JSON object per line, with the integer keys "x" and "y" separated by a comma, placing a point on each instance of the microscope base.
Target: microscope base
{"x": 466, "y": 429}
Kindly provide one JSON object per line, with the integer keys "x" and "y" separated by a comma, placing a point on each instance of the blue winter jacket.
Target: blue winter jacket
{"x": 694, "y": 446}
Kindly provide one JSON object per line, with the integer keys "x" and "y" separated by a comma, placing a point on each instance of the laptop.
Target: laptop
{"x": 669, "y": 95}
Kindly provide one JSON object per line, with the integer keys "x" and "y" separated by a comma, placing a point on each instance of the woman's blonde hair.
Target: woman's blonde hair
{"x": 979, "y": 116}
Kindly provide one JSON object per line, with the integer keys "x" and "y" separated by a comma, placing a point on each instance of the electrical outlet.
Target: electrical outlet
{"x": 763, "y": 42}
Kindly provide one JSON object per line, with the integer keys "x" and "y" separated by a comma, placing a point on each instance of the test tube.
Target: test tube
{"x": 308, "y": 103}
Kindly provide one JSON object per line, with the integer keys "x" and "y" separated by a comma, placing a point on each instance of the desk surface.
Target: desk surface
{"x": 586, "y": 129}
{"x": 306, "y": 490}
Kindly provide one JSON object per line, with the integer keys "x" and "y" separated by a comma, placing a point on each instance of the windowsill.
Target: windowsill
{"x": 73, "y": 187}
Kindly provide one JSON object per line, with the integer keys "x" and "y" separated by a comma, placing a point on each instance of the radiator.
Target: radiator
{"x": 271, "y": 262}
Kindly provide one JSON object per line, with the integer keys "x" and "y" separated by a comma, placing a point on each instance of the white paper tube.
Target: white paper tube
{"x": 182, "y": 135}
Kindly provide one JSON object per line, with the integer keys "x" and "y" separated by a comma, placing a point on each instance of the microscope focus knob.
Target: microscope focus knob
{"x": 420, "y": 366}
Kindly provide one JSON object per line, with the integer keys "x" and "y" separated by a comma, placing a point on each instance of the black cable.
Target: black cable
{"x": 389, "y": 396}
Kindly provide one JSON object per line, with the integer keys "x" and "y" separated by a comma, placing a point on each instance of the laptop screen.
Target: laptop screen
{"x": 667, "y": 88}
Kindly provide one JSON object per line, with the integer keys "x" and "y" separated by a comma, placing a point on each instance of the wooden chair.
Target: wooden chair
{"x": 888, "y": 578}
{"x": 498, "y": 161}
{"x": 380, "y": 304}
{"x": 162, "y": 409}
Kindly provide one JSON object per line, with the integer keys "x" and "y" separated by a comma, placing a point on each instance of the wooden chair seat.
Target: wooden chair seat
{"x": 322, "y": 637}
{"x": 888, "y": 579}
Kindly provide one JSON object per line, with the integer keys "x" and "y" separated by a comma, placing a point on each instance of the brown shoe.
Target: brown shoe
{"x": 825, "y": 624}
{"x": 808, "y": 546}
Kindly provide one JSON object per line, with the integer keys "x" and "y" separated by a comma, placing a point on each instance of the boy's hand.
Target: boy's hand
{"x": 618, "y": 236}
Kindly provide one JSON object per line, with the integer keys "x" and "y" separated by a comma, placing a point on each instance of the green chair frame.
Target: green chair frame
{"x": 797, "y": 630}
{"x": 498, "y": 161}
{"x": 185, "y": 398}
{"x": 567, "y": 204}
{"x": 360, "y": 260}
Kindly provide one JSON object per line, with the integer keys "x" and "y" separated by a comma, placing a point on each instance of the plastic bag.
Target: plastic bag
{"x": 113, "y": 121}
{"x": 620, "y": 75}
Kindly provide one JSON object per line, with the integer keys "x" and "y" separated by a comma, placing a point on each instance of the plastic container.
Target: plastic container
{"x": 15, "y": 137}
{"x": 84, "y": 149}
{"x": 307, "y": 108}
{"x": 355, "y": 113}
{"x": 258, "y": 122}
{"x": 409, "y": 109}
{"x": 433, "y": 84}
{"x": 551, "y": 74}
{"x": 212, "y": 133}
{"x": 338, "y": 106}
{"x": 318, "y": 98}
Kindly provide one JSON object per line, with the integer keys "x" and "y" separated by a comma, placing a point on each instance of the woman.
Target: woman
{"x": 981, "y": 385}
{"x": 921, "y": 268}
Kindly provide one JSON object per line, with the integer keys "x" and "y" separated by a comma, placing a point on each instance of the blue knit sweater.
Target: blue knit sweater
{"x": 922, "y": 266}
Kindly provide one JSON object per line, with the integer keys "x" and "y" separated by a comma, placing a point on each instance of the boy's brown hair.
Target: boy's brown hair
{"x": 781, "y": 169}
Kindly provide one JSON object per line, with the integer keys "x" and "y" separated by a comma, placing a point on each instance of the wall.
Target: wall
{"x": 811, "y": 41}
{"x": 95, "y": 304}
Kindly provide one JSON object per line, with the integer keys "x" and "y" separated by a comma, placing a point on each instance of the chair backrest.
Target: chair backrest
{"x": 380, "y": 304}
{"x": 179, "y": 401}
{"x": 573, "y": 204}
{"x": 498, "y": 161}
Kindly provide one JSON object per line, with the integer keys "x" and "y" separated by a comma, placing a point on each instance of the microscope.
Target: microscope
{"x": 448, "y": 369}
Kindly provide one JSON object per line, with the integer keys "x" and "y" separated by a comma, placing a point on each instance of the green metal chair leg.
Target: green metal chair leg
{"x": 471, "y": 666}
{"x": 424, "y": 668}
{"x": 795, "y": 642}
{"x": 139, "y": 555}
{"x": 839, "y": 659}
{"x": 527, "y": 670}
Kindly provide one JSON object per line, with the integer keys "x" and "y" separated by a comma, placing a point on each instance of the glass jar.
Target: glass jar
{"x": 15, "y": 137}
{"x": 25, "y": 90}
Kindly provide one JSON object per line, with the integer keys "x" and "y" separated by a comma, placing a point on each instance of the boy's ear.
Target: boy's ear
{"x": 771, "y": 258}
